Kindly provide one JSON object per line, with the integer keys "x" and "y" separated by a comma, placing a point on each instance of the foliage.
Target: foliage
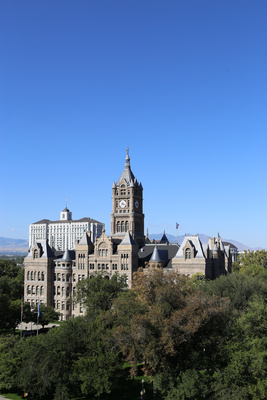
{"x": 239, "y": 288}
{"x": 11, "y": 291}
{"x": 172, "y": 322}
{"x": 98, "y": 291}
{"x": 47, "y": 314}
{"x": 252, "y": 262}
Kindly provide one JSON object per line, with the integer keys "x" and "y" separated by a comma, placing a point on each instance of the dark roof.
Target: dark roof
{"x": 164, "y": 239}
{"x": 69, "y": 255}
{"x": 85, "y": 219}
{"x": 168, "y": 250}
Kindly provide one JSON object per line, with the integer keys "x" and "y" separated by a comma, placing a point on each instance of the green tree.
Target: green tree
{"x": 253, "y": 262}
{"x": 239, "y": 288}
{"x": 173, "y": 324}
{"x": 98, "y": 292}
{"x": 47, "y": 314}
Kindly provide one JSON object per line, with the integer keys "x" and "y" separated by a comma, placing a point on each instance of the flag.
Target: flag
{"x": 22, "y": 307}
{"x": 38, "y": 313}
{"x": 177, "y": 225}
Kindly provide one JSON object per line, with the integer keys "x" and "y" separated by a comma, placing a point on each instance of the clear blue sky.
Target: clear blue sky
{"x": 182, "y": 83}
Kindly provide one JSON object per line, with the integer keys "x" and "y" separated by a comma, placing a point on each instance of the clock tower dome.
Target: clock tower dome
{"x": 127, "y": 206}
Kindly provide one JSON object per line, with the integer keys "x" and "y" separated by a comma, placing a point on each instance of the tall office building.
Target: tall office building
{"x": 65, "y": 232}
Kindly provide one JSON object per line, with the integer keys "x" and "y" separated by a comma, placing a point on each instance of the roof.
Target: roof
{"x": 195, "y": 242}
{"x": 128, "y": 240}
{"x": 85, "y": 219}
{"x": 69, "y": 255}
{"x": 127, "y": 174}
{"x": 159, "y": 255}
{"x": 85, "y": 240}
{"x": 164, "y": 239}
{"x": 165, "y": 251}
{"x": 46, "y": 251}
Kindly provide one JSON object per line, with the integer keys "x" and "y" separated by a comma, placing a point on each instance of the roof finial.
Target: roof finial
{"x": 127, "y": 159}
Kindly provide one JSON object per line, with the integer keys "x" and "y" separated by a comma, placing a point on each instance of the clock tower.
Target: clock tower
{"x": 127, "y": 206}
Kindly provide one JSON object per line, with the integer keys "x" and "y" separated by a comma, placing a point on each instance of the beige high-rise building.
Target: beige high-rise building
{"x": 64, "y": 233}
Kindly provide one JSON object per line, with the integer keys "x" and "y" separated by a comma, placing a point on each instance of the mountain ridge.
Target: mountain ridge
{"x": 20, "y": 246}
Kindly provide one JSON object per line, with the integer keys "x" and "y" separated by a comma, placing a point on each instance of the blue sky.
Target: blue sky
{"x": 182, "y": 83}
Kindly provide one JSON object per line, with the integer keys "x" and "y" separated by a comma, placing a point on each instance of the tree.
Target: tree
{"x": 240, "y": 288}
{"x": 47, "y": 314}
{"x": 98, "y": 291}
{"x": 173, "y": 323}
{"x": 253, "y": 262}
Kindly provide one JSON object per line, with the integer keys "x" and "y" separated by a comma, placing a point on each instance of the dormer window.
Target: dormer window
{"x": 188, "y": 254}
{"x": 35, "y": 254}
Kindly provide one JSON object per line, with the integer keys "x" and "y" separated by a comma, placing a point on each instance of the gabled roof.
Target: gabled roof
{"x": 195, "y": 243}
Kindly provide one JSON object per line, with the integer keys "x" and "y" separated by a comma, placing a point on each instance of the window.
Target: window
{"x": 63, "y": 277}
{"x": 37, "y": 290}
{"x": 28, "y": 275}
{"x": 63, "y": 305}
{"x": 35, "y": 254}
{"x": 187, "y": 254}
{"x": 39, "y": 276}
{"x": 58, "y": 290}
{"x": 28, "y": 289}
{"x": 42, "y": 276}
{"x": 58, "y": 277}
{"x": 42, "y": 291}
{"x": 33, "y": 289}
{"x": 32, "y": 276}
{"x": 74, "y": 278}
{"x": 63, "y": 292}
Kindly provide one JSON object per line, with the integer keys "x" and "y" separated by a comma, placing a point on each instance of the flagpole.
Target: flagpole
{"x": 177, "y": 225}
{"x": 21, "y": 315}
{"x": 38, "y": 313}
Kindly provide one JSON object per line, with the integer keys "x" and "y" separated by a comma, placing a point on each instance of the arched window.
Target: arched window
{"x": 126, "y": 226}
{"x": 63, "y": 292}
{"x": 37, "y": 290}
{"x": 68, "y": 291}
{"x": 33, "y": 289}
{"x": 187, "y": 254}
{"x": 28, "y": 289}
{"x": 63, "y": 277}
{"x": 122, "y": 226}
{"x": 58, "y": 291}
{"x": 39, "y": 276}
{"x": 42, "y": 276}
{"x": 32, "y": 276}
{"x": 28, "y": 275}
{"x": 35, "y": 254}
{"x": 58, "y": 277}
{"x": 118, "y": 226}
{"x": 42, "y": 291}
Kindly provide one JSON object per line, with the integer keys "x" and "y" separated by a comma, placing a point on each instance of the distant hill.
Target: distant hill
{"x": 13, "y": 246}
{"x": 204, "y": 239}
{"x": 20, "y": 246}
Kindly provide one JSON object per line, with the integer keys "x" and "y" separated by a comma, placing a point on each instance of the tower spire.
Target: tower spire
{"x": 127, "y": 159}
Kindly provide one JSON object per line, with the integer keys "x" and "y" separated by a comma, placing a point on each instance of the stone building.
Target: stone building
{"x": 51, "y": 275}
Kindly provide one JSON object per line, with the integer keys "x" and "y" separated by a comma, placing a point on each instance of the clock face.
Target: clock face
{"x": 136, "y": 204}
{"x": 122, "y": 203}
